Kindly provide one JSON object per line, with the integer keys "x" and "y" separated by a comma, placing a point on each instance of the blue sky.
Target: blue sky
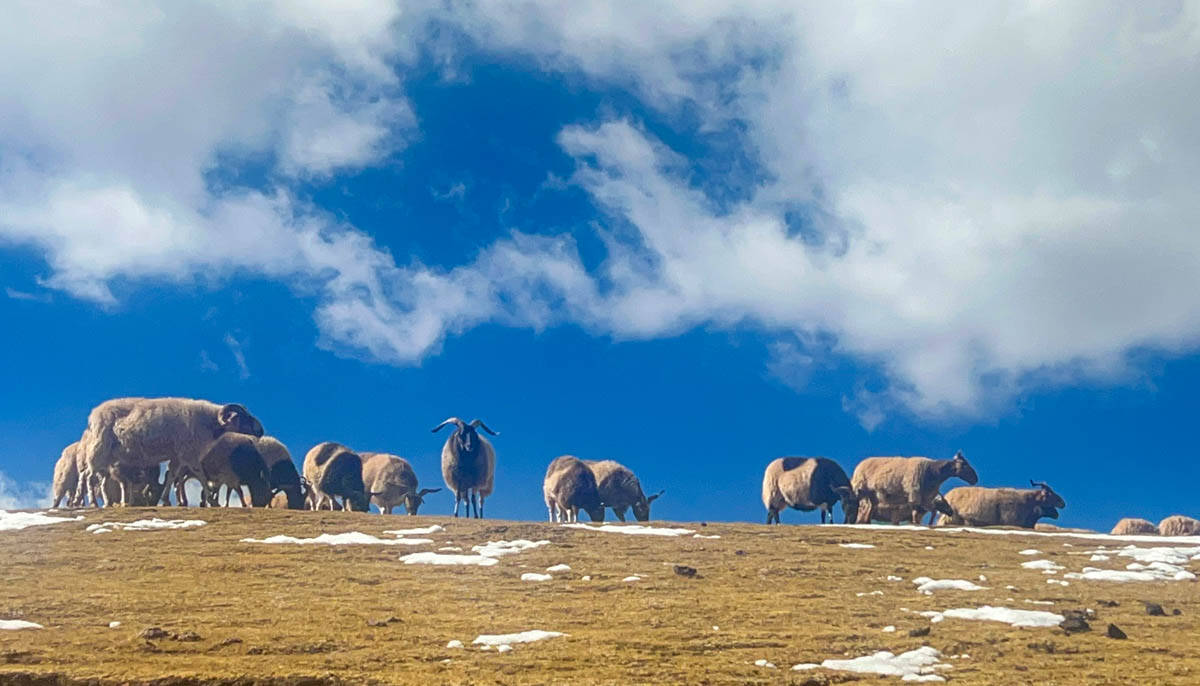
{"x": 691, "y": 240}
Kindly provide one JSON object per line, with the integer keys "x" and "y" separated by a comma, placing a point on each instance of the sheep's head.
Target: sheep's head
{"x": 1046, "y": 495}
{"x": 849, "y": 503}
{"x": 466, "y": 439}
{"x": 962, "y": 469}
{"x": 413, "y": 501}
{"x": 941, "y": 505}
{"x": 237, "y": 419}
{"x": 596, "y": 512}
{"x": 1048, "y": 511}
{"x": 641, "y": 508}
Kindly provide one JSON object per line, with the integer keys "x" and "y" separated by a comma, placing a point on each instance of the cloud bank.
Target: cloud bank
{"x": 967, "y": 201}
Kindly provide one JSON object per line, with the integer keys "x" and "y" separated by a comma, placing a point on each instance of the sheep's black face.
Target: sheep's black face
{"x": 641, "y": 510}
{"x": 963, "y": 469}
{"x": 413, "y": 502}
{"x": 467, "y": 440}
{"x": 1048, "y": 511}
{"x": 940, "y": 505}
{"x": 1048, "y": 498}
{"x": 597, "y": 513}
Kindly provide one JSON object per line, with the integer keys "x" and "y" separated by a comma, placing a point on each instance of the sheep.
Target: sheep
{"x": 468, "y": 463}
{"x": 66, "y": 476}
{"x": 233, "y": 460}
{"x": 807, "y": 484}
{"x": 394, "y": 482}
{"x": 1133, "y": 526}
{"x": 144, "y": 487}
{"x": 570, "y": 486}
{"x": 893, "y": 482}
{"x": 620, "y": 489}
{"x": 978, "y": 506}
{"x": 288, "y": 488}
{"x": 332, "y": 469}
{"x": 1179, "y": 525}
{"x": 144, "y": 432}
{"x": 875, "y": 512}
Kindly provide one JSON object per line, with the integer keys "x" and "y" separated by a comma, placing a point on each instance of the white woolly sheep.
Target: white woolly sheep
{"x": 1179, "y": 525}
{"x": 570, "y": 486}
{"x": 468, "y": 464}
{"x": 1019, "y": 507}
{"x": 1133, "y": 526}
{"x": 895, "y": 482}
{"x": 392, "y": 482}
{"x": 66, "y": 476}
{"x": 620, "y": 489}
{"x": 332, "y": 469}
{"x": 807, "y": 484}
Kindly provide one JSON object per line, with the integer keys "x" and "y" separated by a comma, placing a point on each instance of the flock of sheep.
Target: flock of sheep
{"x": 119, "y": 456}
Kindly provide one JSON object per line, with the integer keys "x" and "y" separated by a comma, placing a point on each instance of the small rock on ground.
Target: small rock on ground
{"x": 1114, "y": 631}
{"x": 1075, "y": 625}
{"x": 152, "y": 632}
{"x": 684, "y": 570}
{"x": 919, "y": 631}
{"x": 1154, "y": 609}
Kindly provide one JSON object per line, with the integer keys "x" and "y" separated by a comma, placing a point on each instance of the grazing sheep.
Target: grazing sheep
{"x": 393, "y": 483}
{"x": 288, "y": 489}
{"x": 233, "y": 460}
{"x": 895, "y": 513}
{"x": 620, "y": 489}
{"x": 468, "y": 463}
{"x": 332, "y": 470}
{"x": 66, "y": 476}
{"x": 807, "y": 484}
{"x": 1132, "y": 526}
{"x": 1020, "y": 507}
{"x": 570, "y": 486}
{"x": 894, "y": 482}
{"x": 1179, "y": 525}
{"x": 144, "y": 487}
{"x": 144, "y": 432}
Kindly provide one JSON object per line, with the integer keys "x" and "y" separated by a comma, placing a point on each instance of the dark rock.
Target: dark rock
{"x": 1108, "y": 603}
{"x": 739, "y": 552}
{"x": 232, "y": 640}
{"x": 153, "y": 633}
{"x": 919, "y": 631}
{"x": 1176, "y": 612}
{"x": 1115, "y": 632}
{"x": 684, "y": 570}
{"x": 186, "y": 636}
{"x": 1075, "y": 625}
{"x": 1154, "y": 609}
{"x": 1076, "y": 614}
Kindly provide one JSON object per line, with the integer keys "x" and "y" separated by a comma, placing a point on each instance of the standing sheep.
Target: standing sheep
{"x": 570, "y": 486}
{"x": 1179, "y": 525}
{"x": 332, "y": 469}
{"x": 393, "y": 482}
{"x": 807, "y": 484}
{"x": 144, "y": 486}
{"x": 1132, "y": 526}
{"x": 1020, "y": 507}
{"x": 233, "y": 460}
{"x": 620, "y": 489}
{"x": 144, "y": 432}
{"x": 288, "y": 489}
{"x": 66, "y": 476}
{"x": 894, "y": 513}
{"x": 468, "y": 463}
{"x": 906, "y": 483}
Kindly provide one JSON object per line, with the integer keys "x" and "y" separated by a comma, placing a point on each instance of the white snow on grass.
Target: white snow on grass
{"x": 703, "y": 536}
{"x": 987, "y": 613}
{"x": 764, "y": 663}
{"x": 928, "y": 586}
{"x": 1107, "y": 538}
{"x": 451, "y": 549}
{"x": 559, "y": 568}
{"x": 503, "y": 648}
{"x": 634, "y": 529}
{"x": 1094, "y": 574}
{"x": 17, "y": 625}
{"x": 350, "y": 538}
{"x": 422, "y": 531}
{"x": 1044, "y": 565}
{"x": 888, "y": 629}
{"x": 447, "y": 559}
{"x": 892, "y": 577}
{"x": 534, "y": 576}
{"x": 632, "y": 578}
{"x": 856, "y": 546}
{"x": 522, "y": 637}
{"x": 15, "y": 521}
{"x": 1030, "y": 551}
{"x": 153, "y": 524}
{"x": 501, "y": 548}
{"x": 455, "y": 644}
{"x": 113, "y": 625}
{"x": 916, "y": 665}
{"x": 1060, "y": 582}
{"x": 1099, "y": 558}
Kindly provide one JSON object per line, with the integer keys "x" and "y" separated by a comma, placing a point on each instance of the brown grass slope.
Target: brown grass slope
{"x": 287, "y": 614}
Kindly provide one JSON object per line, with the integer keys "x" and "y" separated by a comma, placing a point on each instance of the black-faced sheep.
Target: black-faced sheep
{"x": 468, "y": 464}
{"x": 620, "y": 489}
{"x": 570, "y": 486}
{"x": 333, "y": 470}
{"x": 896, "y": 482}
{"x": 1019, "y": 507}
{"x": 233, "y": 460}
{"x": 392, "y": 482}
{"x": 807, "y": 484}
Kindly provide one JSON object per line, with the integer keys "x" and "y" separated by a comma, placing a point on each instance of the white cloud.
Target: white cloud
{"x": 23, "y": 496}
{"x": 1000, "y": 194}
{"x": 239, "y": 357}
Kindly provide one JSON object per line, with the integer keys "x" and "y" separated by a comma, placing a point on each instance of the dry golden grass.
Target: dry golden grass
{"x": 300, "y": 614}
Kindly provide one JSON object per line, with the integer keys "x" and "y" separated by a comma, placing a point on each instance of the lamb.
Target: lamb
{"x": 144, "y": 490}
{"x": 807, "y": 484}
{"x": 570, "y": 486}
{"x": 332, "y": 469}
{"x": 620, "y": 489}
{"x": 144, "y": 432}
{"x": 978, "y": 506}
{"x": 393, "y": 482}
{"x": 66, "y": 476}
{"x": 233, "y": 460}
{"x": 894, "y": 482}
{"x": 894, "y": 513}
{"x": 1133, "y": 526}
{"x": 1179, "y": 525}
{"x": 468, "y": 463}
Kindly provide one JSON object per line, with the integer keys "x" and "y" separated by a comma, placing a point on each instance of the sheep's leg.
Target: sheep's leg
{"x": 169, "y": 481}
{"x": 619, "y": 512}
{"x": 457, "y": 500}
{"x": 550, "y": 512}
{"x": 481, "y": 507}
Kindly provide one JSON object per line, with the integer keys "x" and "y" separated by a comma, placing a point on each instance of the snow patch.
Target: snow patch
{"x": 15, "y": 521}
{"x": 559, "y": 568}
{"x": 350, "y": 538}
{"x": 113, "y": 625}
{"x": 152, "y": 524}
{"x": 764, "y": 663}
{"x": 1017, "y": 618}
{"x": 534, "y": 576}
{"x": 632, "y": 578}
{"x": 703, "y": 536}
{"x": 426, "y": 530}
{"x": 1044, "y": 565}
{"x": 928, "y": 586}
{"x": 17, "y": 625}
{"x": 501, "y": 548}
{"x": 455, "y": 644}
{"x": 916, "y": 665}
{"x": 634, "y": 529}
{"x": 1030, "y": 551}
{"x": 440, "y": 559}
{"x": 856, "y": 546}
{"x": 522, "y": 637}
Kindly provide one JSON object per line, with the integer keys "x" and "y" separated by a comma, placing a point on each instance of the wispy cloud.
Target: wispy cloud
{"x": 206, "y": 363}
{"x": 235, "y": 348}
{"x": 456, "y": 192}
{"x": 23, "y": 496}
{"x": 23, "y": 295}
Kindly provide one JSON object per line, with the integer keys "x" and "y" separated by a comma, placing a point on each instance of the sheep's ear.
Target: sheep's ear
{"x": 655, "y": 496}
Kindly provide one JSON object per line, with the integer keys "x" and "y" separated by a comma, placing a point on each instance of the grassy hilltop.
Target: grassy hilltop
{"x": 311, "y": 614}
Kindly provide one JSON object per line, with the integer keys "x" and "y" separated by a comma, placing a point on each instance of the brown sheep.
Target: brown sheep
{"x": 393, "y": 483}
{"x": 1179, "y": 525}
{"x": 896, "y": 482}
{"x": 620, "y": 489}
{"x": 468, "y": 464}
{"x": 1132, "y": 526}
{"x": 570, "y": 486}
{"x": 66, "y": 476}
{"x": 332, "y": 470}
{"x": 807, "y": 484}
{"x": 979, "y": 506}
